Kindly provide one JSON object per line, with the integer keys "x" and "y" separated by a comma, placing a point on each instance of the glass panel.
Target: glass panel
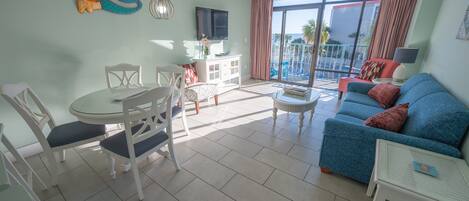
{"x": 327, "y": 80}
{"x": 276, "y": 36}
{"x": 370, "y": 14}
{"x": 300, "y": 31}
{"x": 337, "y": 40}
{"x": 294, "y": 2}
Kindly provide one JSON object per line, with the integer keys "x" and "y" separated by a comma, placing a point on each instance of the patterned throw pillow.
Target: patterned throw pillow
{"x": 392, "y": 119}
{"x": 371, "y": 70}
{"x": 191, "y": 73}
{"x": 385, "y": 94}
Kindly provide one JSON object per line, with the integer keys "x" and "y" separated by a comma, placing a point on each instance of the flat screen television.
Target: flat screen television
{"x": 212, "y": 23}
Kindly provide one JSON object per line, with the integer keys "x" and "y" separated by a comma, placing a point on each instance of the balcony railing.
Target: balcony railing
{"x": 333, "y": 62}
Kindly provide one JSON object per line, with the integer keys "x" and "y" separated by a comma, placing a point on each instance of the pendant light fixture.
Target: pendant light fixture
{"x": 161, "y": 9}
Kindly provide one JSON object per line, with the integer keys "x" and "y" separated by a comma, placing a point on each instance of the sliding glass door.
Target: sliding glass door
{"x": 315, "y": 42}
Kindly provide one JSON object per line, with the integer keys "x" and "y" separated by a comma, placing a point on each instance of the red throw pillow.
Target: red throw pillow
{"x": 392, "y": 119}
{"x": 371, "y": 70}
{"x": 191, "y": 73}
{"x": 385, "y": 94}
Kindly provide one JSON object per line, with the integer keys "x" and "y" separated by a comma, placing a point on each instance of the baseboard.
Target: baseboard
{"x": 26, "y": 151}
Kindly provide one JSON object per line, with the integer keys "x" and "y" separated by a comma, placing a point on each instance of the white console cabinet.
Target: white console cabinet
{"x": 224, "y": 71}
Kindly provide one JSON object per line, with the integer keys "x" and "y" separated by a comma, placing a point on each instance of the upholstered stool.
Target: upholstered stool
{"x": 199, "y": 92}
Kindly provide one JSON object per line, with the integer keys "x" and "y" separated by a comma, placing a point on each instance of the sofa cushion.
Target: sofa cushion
{"x": 358, "y": 110}
{"x": 385, "y": 94}
{"x": 440, "y": 117}
{"x": 420, "y": 90}
{"x": 190, "y": 76}
{"x": 360, "y": 98}
{"x": 349, "y": 119}
{"x": 414, "y": 80}
{"x": 371, "y": 70}
{"x": 391, "y": 119}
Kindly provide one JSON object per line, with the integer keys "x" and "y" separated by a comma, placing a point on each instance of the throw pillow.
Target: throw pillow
{"x": 191, "y": 73}
{"x": 385, "y": 94}
{"x": 371, "y": 70}
{"x": 392, "y": 119}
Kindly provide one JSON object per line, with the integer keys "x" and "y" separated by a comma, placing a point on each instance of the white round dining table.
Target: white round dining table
{"x": 100, "y": 107}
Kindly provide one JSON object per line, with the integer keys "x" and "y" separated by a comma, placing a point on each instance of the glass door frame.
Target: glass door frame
{"x": 319, "y": 19}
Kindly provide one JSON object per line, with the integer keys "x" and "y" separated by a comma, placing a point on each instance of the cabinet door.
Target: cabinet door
{"x": 214, "y": 72}
{"x": 234, "y": 67}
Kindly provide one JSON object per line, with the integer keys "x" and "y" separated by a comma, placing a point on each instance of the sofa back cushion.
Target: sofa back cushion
{"x": 420, "y": 90}
{"x": 438, "y": 116}
{"x": 413, "y": 81}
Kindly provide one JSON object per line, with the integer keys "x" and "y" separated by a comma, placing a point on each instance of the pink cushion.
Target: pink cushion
{"x": 386, "y": 94}
{"x": 371, "y": 70}
{"x": 191, "y": 73}
{"x": 392, "y": 119}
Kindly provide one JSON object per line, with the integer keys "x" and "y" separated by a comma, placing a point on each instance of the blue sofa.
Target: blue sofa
{"x": 437, "y": 121}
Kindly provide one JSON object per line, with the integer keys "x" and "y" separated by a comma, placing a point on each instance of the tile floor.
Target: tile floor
{"x": 233, "y": 154}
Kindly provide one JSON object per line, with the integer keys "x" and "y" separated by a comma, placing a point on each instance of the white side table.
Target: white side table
{"x": 395, "y": 178}
{"x": 298, "y": 104}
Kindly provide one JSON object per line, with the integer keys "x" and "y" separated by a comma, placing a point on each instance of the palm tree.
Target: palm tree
{"x": 309, "y": 32}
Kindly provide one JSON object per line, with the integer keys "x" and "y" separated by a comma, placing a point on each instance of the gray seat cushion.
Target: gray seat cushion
{"x": 361, "y": 98}
{"x": 74, "y": 132}
{"x": 118, "y": 143}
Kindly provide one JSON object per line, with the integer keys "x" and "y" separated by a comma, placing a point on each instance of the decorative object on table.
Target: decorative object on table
{"x": 205, "y": 45}
{"x": 297, "y": 104}
{"x": 61, "y": 137}
{"x": 463, "y": 33}
{"x": 425, "y": 169}
{"x": 114, "y": 6}
{"x": 296, "y": 90}
{"x": 385, "y": 94}
{"x": 392, "y": 119}
{"x": 403, "y": 55}
{"x": 161, "y": 9}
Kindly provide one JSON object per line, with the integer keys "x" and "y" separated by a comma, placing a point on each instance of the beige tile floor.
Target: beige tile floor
{"x": 233, "y": 154}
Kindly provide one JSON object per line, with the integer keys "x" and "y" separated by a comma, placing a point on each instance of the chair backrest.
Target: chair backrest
{"x": 145, "y": 113}
{"x": 126, "y": 75}
{"x": 172, "y": 76}
{"x": 30, "y": 107}
{"x": 4, "y": 180}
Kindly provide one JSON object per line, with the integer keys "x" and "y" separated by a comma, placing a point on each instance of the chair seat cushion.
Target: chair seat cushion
{"x": 118, "y": 143}
{"x": 74, "y": 132}
{"x": 361, "y": 98}
{"x": 343, "y": 82}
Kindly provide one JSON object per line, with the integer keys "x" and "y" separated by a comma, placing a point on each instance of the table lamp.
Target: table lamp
{"x": 403, "y": 55}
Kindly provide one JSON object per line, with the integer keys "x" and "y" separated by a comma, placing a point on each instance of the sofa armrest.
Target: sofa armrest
{"x": 360, "y": 87}
{"x": 344, "y": 129}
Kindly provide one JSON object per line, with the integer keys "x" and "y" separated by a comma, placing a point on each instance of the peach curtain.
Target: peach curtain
{"x": 261, "y": 34}
{"x": 391, "y": 28}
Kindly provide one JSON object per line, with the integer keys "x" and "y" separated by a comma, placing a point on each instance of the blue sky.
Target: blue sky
{"x": 296, "y": 19}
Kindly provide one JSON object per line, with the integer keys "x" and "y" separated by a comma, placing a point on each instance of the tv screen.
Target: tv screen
{"x": 212, "y": 23}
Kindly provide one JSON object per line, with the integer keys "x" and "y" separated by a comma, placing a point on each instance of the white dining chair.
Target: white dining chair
{"x": 126, "y": 75}
{"x": 19, "y": 189}
{"x": 173, "y": 76}
{"x": 37, "y": 116}
{"x": 146, "y": 131}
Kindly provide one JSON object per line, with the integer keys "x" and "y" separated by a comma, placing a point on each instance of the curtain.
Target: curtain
{"x": 391, "y": 27}
{"x": 261, "y": 34}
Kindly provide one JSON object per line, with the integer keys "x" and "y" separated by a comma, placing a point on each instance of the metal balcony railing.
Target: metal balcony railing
{"x": 333, "y": 62}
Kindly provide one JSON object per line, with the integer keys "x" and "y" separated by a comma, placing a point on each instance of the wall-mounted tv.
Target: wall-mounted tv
{"x": 212, "y": 23}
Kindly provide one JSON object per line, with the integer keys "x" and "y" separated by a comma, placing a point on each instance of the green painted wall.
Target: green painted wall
{"x": 421, "y": 28}
{"x": 447, "y": 57}
{"x": 62, "y": 54}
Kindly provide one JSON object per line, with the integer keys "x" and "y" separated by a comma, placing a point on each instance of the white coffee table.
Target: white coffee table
{"x": 395, "y": 178}
{"x": 297, "y": 104}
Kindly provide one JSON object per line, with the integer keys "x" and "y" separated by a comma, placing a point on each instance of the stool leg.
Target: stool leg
{"x": 197, "y": 107}
{"x": 216, "y": 99}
